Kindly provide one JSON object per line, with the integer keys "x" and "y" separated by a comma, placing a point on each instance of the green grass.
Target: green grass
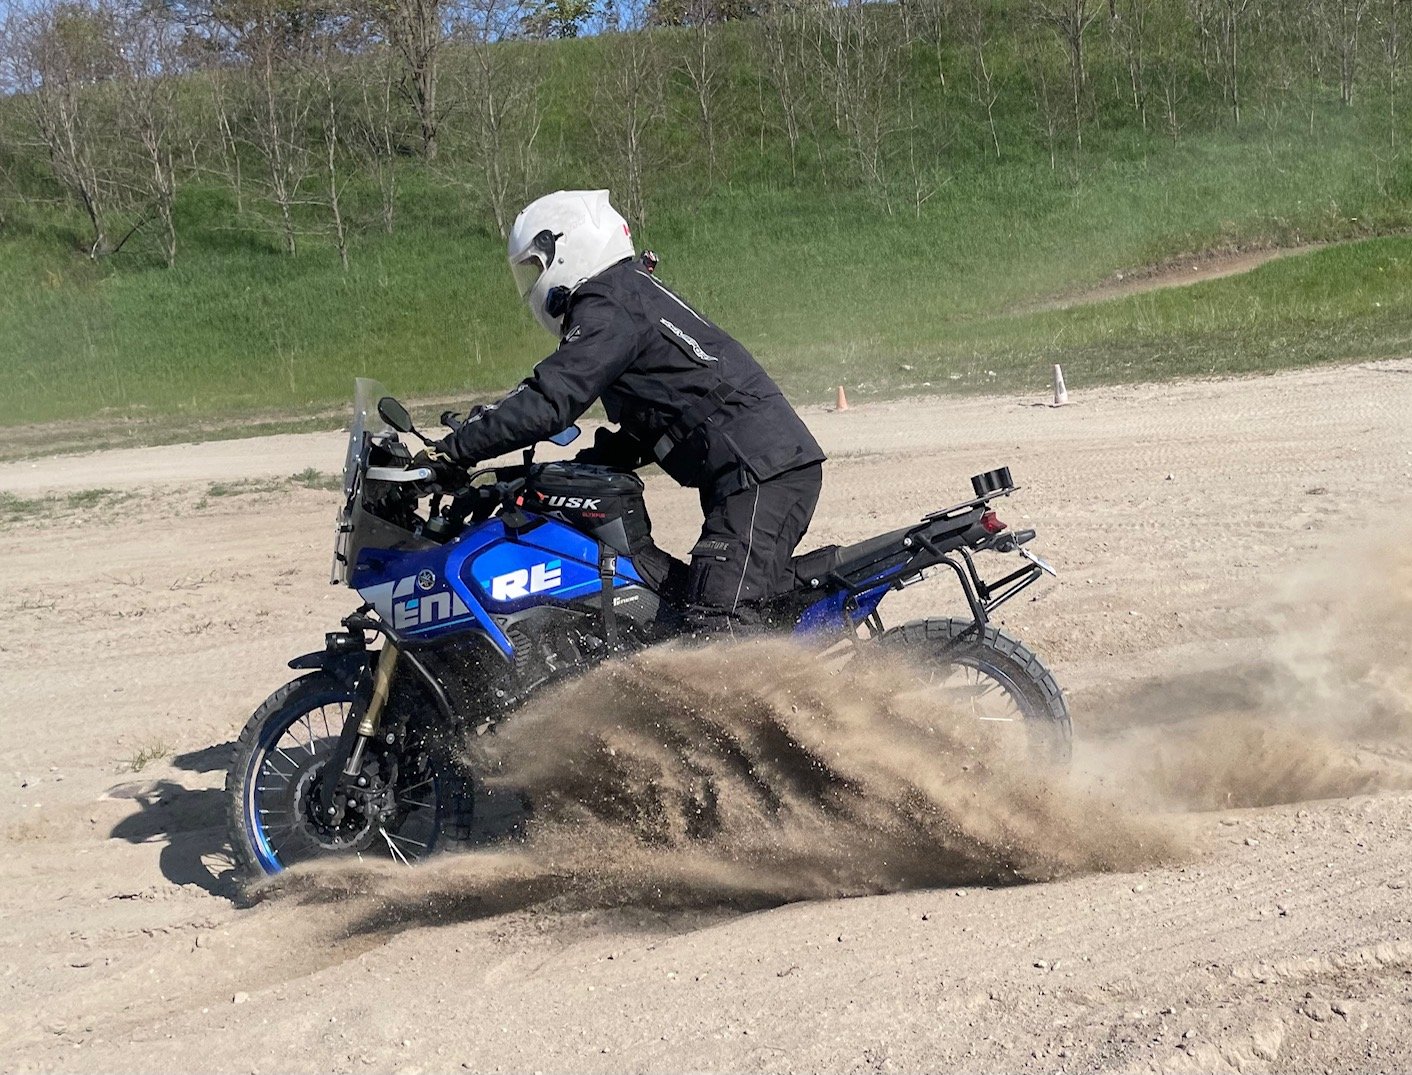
{"x": 1342, "y": 302}
{"x": 155, "y": 750}
{"x": 19, "y": 509}
{"x": 815, "y": 275}
{"x": 310, "y": 478}
{"x": 244, "y": 487}
{"x": 823, "y": 290}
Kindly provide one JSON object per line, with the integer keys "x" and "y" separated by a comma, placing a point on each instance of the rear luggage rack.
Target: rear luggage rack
{"x": 930, "y": 543}
{"x": 987, "y": 486}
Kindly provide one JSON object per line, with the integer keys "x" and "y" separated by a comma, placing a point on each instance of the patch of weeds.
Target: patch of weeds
{"x": 311, "y": 478}
{"x": 155, "y": 750}
{"x": 92, "y": 498}
{"x": 14, "y": 507}
{"x": 243, "y": 487}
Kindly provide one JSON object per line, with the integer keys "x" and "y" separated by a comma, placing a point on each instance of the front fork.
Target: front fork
{"x": 353, "y": 741}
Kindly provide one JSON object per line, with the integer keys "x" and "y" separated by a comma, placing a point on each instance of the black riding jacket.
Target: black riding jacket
{"x": 685, "y": 392}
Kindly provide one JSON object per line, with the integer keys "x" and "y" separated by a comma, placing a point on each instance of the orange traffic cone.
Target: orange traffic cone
{"x": 841, "y": 404}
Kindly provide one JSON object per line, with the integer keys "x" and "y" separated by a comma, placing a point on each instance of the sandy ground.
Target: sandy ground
{"x": 1195, "y": 526}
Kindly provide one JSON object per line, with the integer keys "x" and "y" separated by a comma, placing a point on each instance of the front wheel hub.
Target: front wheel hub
{"x": 355, "y": 827}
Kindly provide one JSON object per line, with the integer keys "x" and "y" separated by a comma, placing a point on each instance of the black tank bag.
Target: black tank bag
{"x": 604, "y": 503}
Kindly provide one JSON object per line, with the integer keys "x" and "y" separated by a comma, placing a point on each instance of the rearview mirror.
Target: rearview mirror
{"x": 565, "y": 437}
{"x": 395, "y": 415}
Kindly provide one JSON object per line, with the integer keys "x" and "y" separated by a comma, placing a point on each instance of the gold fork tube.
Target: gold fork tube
{"x": 382, "y": 683}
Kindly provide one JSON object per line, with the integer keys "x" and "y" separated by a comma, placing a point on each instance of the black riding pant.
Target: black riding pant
{"x": 745, "y": 547}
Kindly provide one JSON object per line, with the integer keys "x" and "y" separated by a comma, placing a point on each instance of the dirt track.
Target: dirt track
{"x": 1193, "y": 525}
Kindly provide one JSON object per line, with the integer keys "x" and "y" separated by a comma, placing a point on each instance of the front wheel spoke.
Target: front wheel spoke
{"x": 269, "y": 764}
{"x": 287, "y": 758}
{"x": 392, "y": 847}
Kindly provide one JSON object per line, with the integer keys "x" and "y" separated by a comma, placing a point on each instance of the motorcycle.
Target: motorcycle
{"x": 523, "y": 576}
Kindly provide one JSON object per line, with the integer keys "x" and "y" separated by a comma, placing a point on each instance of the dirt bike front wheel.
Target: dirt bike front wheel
{"x": 991, "y": 675}
{"x": 407, "y": 803}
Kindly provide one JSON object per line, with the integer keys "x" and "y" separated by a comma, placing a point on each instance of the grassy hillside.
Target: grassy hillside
{"x": 827, "y": 280}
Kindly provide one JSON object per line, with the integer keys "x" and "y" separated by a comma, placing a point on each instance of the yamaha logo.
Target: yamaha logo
{"x": 426, "y": 579}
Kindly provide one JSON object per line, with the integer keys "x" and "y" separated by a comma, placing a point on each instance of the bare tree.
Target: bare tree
{"x": 149, "y": 119}
{"x": 499, "y": 83}
{"x": 1392, "y": 35}
{"x": 862, "y": 61}
{"x": 377, "y": 133}
{"x": 1343, "y": 24}
{"x": 1220, "y": 27}
{"x": 976, "y": 32}
{"x": 781, "y": 42}
{"x": 63, "y": 54}
{"x": 1130, "y": 27}
{"x": 277, "y": 122}
{"x": 1049, "y": 103}
{"x": 1310, "y": 34}
{"x": 417, "y": 29}
{"x": 332, "y": 130}
{"x": 628, "y": 105}
{"x": 10, "y": 191}
{"x": 222, "y": 100}
{"x": 1071, "y": 20}
{"x": 701, "y": 64}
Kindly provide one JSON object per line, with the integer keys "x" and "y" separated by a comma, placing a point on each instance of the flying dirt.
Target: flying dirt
{"x": 750, "y": 775}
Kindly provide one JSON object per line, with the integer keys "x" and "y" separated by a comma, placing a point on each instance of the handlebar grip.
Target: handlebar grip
{"x": 1024, "y": 537}
{"x": 451, "y": 420}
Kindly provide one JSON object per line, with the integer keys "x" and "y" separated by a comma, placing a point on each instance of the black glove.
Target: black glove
{"x": 614, "y": 448}
{"x": 446, "y": 472}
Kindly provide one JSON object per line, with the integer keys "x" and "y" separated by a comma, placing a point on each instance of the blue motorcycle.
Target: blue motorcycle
{"x": 525, "y": 575}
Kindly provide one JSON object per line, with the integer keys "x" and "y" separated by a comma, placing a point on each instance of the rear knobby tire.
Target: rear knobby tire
{"x": 1004, "y": 658}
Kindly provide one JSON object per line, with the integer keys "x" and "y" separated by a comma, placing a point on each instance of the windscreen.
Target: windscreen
{"x": 366, "y": 393}
{"x": 365, "y": 421}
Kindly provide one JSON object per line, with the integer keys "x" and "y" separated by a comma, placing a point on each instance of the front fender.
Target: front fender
{"x": 346, "y": 666}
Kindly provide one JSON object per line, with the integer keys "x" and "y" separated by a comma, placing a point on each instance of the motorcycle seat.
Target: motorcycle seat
{"x": 865, "y": 552}
{"x": 815, "y": 566}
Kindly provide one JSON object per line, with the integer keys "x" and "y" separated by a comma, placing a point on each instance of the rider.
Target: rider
{"x": 683, "y": 393}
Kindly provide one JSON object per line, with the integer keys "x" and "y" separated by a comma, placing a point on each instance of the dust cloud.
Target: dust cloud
{"x": 752, "y": 775}
{"x": 1322, "y": 710}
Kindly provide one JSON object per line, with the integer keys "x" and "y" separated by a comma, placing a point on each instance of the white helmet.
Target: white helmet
{"x": 559, "y": 241}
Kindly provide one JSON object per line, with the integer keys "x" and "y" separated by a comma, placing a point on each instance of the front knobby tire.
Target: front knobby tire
{"x": 284, "y": 743}
{"x": 996, "y": 660}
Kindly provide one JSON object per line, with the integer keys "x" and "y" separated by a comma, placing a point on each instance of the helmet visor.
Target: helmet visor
{"x": 526, "y": 272}
{"x": 534, "y": 260}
